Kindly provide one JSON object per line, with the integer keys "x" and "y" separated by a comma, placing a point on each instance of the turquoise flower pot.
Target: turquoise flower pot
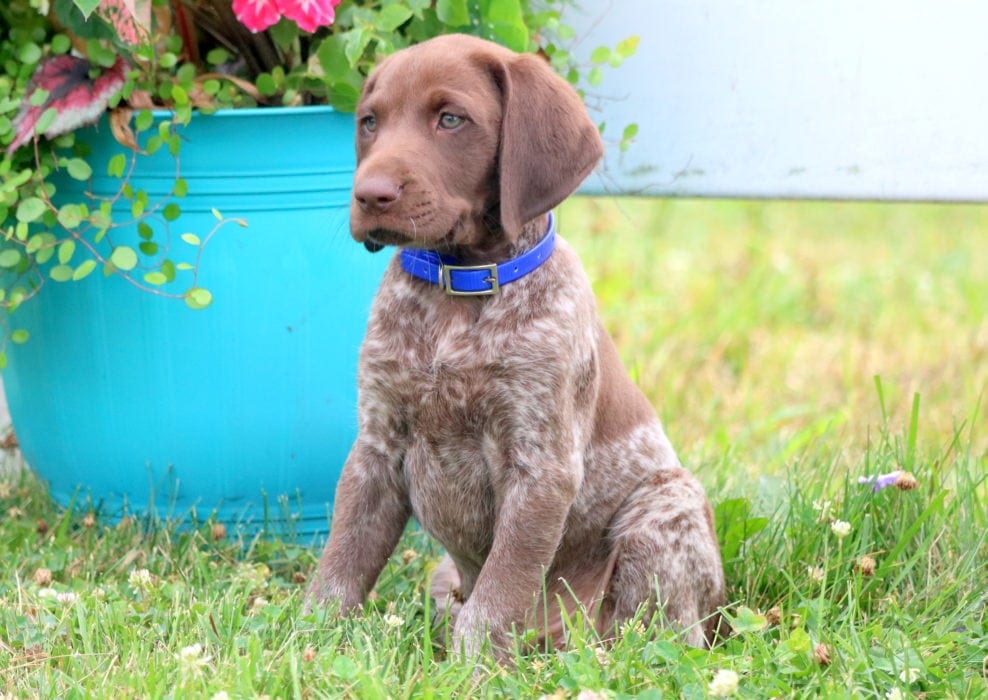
{"x": 247, "y": 408}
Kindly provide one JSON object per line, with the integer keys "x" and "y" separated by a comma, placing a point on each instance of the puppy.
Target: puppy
{"x": 493, "y": 407}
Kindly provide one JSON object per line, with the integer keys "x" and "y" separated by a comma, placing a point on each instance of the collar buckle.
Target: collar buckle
{"x": 446, "y": 281}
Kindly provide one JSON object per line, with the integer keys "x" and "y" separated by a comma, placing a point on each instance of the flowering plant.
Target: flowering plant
{"x": 66, "y": 63}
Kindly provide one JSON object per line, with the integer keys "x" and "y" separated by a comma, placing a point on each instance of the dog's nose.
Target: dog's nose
{"x": 375, "y": 194}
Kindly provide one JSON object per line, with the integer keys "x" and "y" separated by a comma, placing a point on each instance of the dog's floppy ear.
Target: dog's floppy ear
{"x": 548, "y": 142}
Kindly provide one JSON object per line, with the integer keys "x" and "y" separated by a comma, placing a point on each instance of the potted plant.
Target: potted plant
{"x": 200, "y": 152}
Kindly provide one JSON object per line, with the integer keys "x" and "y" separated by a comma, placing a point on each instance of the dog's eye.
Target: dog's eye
{"x": 369, "y": 123}
{"x": 449, "y": 121}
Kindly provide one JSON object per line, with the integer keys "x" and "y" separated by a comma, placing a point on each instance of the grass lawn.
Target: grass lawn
{"x": 790, "y": 348}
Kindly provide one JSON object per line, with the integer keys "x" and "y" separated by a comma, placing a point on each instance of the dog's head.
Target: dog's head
{"x": 460, "y": 140}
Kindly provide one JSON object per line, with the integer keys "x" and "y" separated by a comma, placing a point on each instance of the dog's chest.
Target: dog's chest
{"x": 452, "y": 366}
{"x": 461, "y": 384}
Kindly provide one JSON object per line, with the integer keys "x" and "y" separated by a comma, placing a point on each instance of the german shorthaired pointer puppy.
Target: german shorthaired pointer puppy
{"x": 493, "y": 405}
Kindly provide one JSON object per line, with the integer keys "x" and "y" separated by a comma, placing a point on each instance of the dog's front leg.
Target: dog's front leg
{"x": 370, "y": 513}
{"x": 527, "y": 533}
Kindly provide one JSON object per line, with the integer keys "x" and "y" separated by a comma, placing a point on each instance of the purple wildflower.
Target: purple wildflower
{"x": 881, "y": 481}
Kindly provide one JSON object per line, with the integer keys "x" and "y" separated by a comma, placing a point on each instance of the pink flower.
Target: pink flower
{"x": 256, "y": 15}
{"x": 309, "y": 15}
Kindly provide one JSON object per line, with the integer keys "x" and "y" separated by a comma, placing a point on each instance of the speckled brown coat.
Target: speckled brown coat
{"x": 506, "y": 425}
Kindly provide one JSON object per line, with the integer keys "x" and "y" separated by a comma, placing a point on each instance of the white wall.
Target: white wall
{"x": 869, "y": 99}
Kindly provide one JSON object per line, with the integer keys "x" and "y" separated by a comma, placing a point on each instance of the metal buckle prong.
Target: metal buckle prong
{"x": 447, "y": 284}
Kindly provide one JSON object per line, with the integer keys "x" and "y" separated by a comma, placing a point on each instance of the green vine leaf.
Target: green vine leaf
{"x": 45, "y": 121}
{"x": 65, "y": 251}
{"x": 78, "y": 169}
{"x": 627, "y": 47}
{"x": 601, "y": 54}
{"x": 168, "y": 270}
{"x": 10, "y": 257}
{"x": 198, "y": 298}
{"x": 155, "y": 278}
{"x": 171, "y": 211}
{"x": 34, "y": 243}
{"x": 144, "y": 120}
{"x": 30, "y": 209}
{"x": 124, "y": 258}
{"x": 70, "y": 215}
{"x": 627, "y": 136}
{"x": 117, "y": 165}
{"x": 61, "y": 273}
{"x": 38, "y": 97}
{"x": 44, "y": 254}
{"x": 85, "y": 267}
{"x": 29, "y": 53}
{"x": 60, "y": 43}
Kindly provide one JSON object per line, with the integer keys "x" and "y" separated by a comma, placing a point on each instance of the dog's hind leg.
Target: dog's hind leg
{"x": 667, "y": 553}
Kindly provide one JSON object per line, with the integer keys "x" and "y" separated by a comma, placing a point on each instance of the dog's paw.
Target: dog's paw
{"x": 471, "y": 633}
{"x": 314, "y": 604}
{"x": 334, "y": 601}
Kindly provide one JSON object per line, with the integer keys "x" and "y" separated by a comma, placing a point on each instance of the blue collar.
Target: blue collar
{"x": 476, "y": 280}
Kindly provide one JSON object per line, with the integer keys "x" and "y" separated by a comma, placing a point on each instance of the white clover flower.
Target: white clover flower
{"x": 894, "y": 694}
{"x": 67, "y": 598}
{"x": 815, "y": 573}
{"x": 222, "y": 695}
{"x": 393, "y": 621}
{"x": 724, "y": 684}
{"x": 192, "y": 658}
{"x": 629, "y": 626}
{"x": 191, "y": 652}
{"x": 46, "y": 593}
{"x": 910, "y": 675}
{"x": 254, "y": 575}
{"x": 841, "y": 528}
{"x": 140, "y": 580}
{"x": 592, "y": 695}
